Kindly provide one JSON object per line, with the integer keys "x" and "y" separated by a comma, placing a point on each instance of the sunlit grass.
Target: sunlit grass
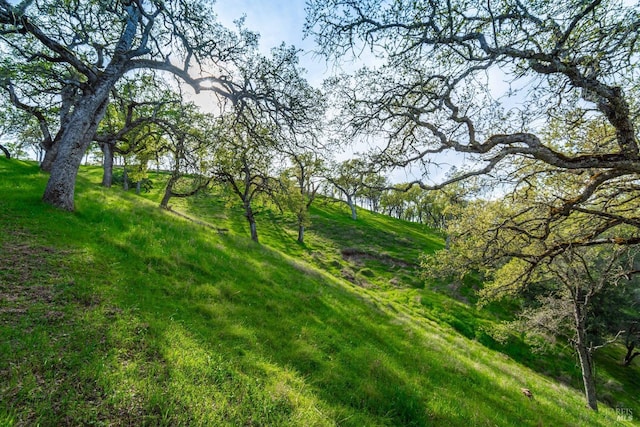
{"x": 124, "y": 314}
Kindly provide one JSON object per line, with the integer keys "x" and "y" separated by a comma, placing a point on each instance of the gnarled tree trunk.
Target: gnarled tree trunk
{"x": 73, "y": 143}
{"x": 584, "y": 354}
{"x": 50, "y": 154}
{"x": 168, "y": 191}
{"x": 5, "y": 151}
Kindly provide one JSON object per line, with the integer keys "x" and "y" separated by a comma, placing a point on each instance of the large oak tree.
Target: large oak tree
{"x": 483, "y": 77}
{"x": 81, "y": 49}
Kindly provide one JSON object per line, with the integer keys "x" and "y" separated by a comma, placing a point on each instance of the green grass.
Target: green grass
{"x": 124, "y": 314}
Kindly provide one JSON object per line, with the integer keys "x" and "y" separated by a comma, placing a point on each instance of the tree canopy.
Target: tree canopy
{"x": 63, "y": 58}
{"x": 440, "y": 87}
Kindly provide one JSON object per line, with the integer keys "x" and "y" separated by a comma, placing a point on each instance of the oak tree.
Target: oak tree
{"x": 83, "y": 48}
{"x": 484, "y": 78}
{"x": 348, "y": 178}
{"x": 300, "y": 184}
{"x": 245, "y": 163}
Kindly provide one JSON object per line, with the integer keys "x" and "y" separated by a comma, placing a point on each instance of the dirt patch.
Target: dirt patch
{"x": 34, "y": 293}
{"x": 348, "y": 275}
{"x": 357, "y": 256}
{"x": 352, "y": 277}
{"x": 21, "y": 263}
{"x": 395, "y": 282}
{"x": 27, "y": 277}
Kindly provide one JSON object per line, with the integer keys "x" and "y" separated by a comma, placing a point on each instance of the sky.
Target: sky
{"x": 277, "y": 21}
{"x": 283, "y": 20}
{"x": 280, "y": 21}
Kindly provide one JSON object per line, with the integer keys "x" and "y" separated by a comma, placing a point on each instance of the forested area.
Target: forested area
{"x": 537, "y": 101}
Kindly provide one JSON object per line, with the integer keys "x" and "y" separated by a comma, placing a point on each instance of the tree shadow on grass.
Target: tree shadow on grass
{"x": 264, "y": 316}
{"x": 189, "y": 327}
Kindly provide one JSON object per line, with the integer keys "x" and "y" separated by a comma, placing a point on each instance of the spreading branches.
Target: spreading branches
{"x": 86, "y": 48}
{"x": 34, "y": 111}
{"x": 509, "y": 85}
{"x": 244, "y": 161}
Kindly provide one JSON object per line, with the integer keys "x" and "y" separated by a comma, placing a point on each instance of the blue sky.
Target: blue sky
{"x": 276, "y": 21}
{"x": 283, "y": 20}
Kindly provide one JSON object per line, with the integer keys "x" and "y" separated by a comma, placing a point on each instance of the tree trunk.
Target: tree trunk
{"x": 138, "y": 184}
{"x": 50, "y": 155}
{"x": 352, "y": 205}
{"x": 51, "y": 146}
{"x": 254, "y": 231}
{"x": 586, "y": 364}
{"x": 5, "y": 151}
{"x": 164, "y": 203}
{"x": 175, "y": 174}
{"x": 248, "y": 213}
{"x": 586, "y": 360}
{"x": 73, "y": 143}
{"x": 107, "y": 164}
{"x": 168, "y": 192}
{"x": 628, "y": 358}
{"x": 301, "y": 233}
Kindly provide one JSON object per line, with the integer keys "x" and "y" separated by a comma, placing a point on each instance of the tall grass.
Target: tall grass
{"x": 123, "y": 314}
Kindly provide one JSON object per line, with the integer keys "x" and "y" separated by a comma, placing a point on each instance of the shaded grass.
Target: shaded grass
{"x": 380, "y": 253}
{"x": 167, "y": 323}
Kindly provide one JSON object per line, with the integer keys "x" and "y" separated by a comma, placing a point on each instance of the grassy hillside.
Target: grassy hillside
{"x": 123, "y": 314}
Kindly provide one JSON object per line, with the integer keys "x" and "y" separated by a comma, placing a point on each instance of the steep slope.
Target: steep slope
{"x": 123, "y": 314}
